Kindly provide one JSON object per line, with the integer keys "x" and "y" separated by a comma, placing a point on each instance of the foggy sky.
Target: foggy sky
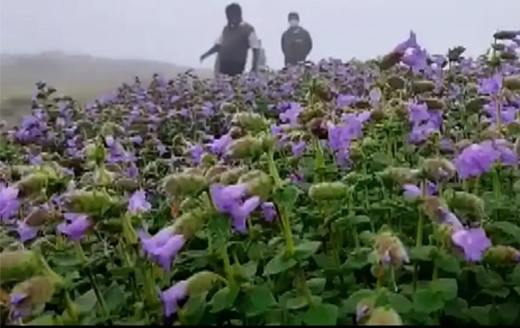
{"x": 179, "y": 31}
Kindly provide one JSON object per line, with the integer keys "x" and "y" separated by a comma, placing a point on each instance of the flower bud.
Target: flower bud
{"x": 178, "y": 184}
{"x": 327, "y": 191}
{"x": 512, "y": 82}
{"x": 505, "y": 35}
{"x": 252, "y": 122}
{"x": 468, "y": 202}
{"x": 401, "y": 175}
{"x": 390, "y": 60}
{"x": 227, "y": 107}
{"x": 383, "y": 316}
{"x": 431, "y": 207}
{"x": 474, "y": 105}
{"x": 433, "y": 103}
{"x": 501, "y": 255}
{"x": 513, "y": 128}
{"x": 38, "y": 216}
{"x": 389, "y": 249}
{"x": 103, "y": 177}
{"x": 28, "y": 296}
{"x": 93, "y": 202}
{"x": 111, "y": 129}
{"x": 202, "y": 282}
{"x": 94, "y": 152}
{"x": 231, "y": 176}
{"x": 396, "y": 82}
{"x": 454, "y": 54}
{"x": 246, "y": 147}
{"x": 208, "y": 160}
{"x": 423, "y": 86}
{"x": 438, "y": 169}
{"x": 510, "y": 56}
{"x": 188, "y": 224}
{"x": 258, "y": 184}
{"x": 126, "y": 184}
{"x": 490, "y": 134}
{"x": 17, "y": 265}
{"x": 33, "y": 183}
{"x": 213, "y": 173}
{"x": 460, "y": 145}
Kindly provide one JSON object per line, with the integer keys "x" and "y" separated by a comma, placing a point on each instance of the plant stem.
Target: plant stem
{"x": 227, "y": 266}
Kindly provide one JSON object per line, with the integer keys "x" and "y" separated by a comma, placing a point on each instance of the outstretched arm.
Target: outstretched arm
{"x": 254, "y": 44}
{"x": 212, "y": 50}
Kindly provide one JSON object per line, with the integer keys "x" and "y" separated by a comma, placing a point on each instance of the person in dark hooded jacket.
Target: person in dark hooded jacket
{"x": 296, "y": 41}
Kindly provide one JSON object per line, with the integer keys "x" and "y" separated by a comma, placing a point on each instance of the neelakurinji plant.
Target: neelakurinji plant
{"x": 362, "y": 193}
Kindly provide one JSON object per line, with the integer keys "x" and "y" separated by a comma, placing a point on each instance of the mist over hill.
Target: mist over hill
{"x": 83, "y": 77}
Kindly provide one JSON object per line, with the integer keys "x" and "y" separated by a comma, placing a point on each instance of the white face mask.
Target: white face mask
{"x": 293, "y": 23}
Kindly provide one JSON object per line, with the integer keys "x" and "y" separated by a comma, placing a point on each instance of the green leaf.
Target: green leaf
{"x": 306, "y": 249}
{"x": 296, "y": 303}
{"x": 515, "y": 276}
{"x": 447, "y": 286}
{"x": 44, "y": 320}
{"x": 422, "y": 253}
{"x": 448, "y": 263}
{"x": 278, "y": 264}
{"x": 457, "y": 308}
{"x": 258, "y": 300}
{"x": 399, "y": 303}
{"x": 517, "y": 290}
{"x": 324, "y": 261}
{"x": 356, "y": 261}
{"x": 316, "y": 285}
{"x": 350, "y": 304}
{"x": 427, "y": 301}
{"x": 248, "y": 270}
{"x": 224, "y": 299}
{"x": 219, "y": 229}
{"x": 287, "y": 196}
{"x": 359, "y": 219}
{"x": 488, "y": 279}
{"x": 86, "y": 302}
{"x": 508, "y": 312}
{"x": 481, "y": 314}
{"x": 194, "y": 309}
{"x": 507, "y": 228}
{"x": 115, "y": 297}
{"x": 321, "y": 315}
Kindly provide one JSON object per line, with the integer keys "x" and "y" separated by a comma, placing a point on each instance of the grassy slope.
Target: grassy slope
{"x": 80, "y": 76}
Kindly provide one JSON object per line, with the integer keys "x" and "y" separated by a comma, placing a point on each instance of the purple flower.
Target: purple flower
{"x": 472, "y": 241}
{"x": 411, "y": 42}
{"x": 240, "y": 213}
{"x": 298, "y": 148}
{"x": 413, "y": 191}
{"x": 109, "y": 140}
{"x": 132, "y": 171}
{"x": 75, "y": 226}
{"x": 291, "y": 114}
{"x": 228, "y": 200}
{"x": 25, "y": 231}
{"x": 416, "y": 59}
{"x": 164, "y": 254}
{"x": 269, "y": 211}
{"x": 15, "y": 302}
{"x": 219, "y": 146}
{"x": 172, "y": 296}
{"x": 477, "y": 159}
{"x": 346, "y": 100}
{"x": 224, "y": 197}
{"x": 137, "y": 203}
{"x": 490, "y": 86}
{"x": 9, "y": 203}
{"x": 451, "y": 219}
{"x": 136, "y": 140}
{"x": 149, "y": 243}
{"x": 196, "y": 153}
{"x": 161, "y": 149}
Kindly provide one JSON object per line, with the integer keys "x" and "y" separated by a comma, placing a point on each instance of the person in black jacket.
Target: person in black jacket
{"x": 296, "y": 41}
{"x": 234, "y": 43}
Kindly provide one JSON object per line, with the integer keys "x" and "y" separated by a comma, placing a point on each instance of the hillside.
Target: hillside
{"x": 81, "y": 76}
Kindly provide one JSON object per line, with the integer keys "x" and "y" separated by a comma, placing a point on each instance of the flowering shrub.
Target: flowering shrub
{"x": 370, "y": 193}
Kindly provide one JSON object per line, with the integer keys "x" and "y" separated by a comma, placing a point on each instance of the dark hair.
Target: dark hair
{"x": 233, "y": 9}
{"x": 293, "y": 15}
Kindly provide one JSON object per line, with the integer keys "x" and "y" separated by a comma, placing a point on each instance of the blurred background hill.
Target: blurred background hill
{"x": 83, "y": 77}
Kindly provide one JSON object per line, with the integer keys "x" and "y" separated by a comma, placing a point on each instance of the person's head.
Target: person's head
{"x": 293, "y": 18}
{"x": 234, "y": 14}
